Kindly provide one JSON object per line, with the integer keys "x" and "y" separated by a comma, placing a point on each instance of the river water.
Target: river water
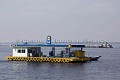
{"x": 106, "y": 68}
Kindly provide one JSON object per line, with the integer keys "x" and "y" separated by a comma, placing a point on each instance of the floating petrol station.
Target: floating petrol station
{"x": 33, "y": 52}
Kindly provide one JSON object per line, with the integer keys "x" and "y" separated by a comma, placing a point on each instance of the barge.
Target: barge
{"x": 33, "y": 52}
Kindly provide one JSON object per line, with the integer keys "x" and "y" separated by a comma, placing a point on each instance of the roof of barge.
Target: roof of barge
{"x": 45, "y": 45}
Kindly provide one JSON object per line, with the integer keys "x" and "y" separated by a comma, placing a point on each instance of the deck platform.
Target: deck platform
{"x": 48, "y": 59}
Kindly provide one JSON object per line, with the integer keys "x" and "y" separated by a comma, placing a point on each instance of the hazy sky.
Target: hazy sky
{"x": 62, "y": 19}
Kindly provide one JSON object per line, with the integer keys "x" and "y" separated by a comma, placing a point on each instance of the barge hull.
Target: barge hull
{"x": 48, "y": 59}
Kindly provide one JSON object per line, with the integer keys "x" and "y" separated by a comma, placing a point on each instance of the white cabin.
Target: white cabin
{"x": 20, "y": 52}
{"x": 27, "y": 51}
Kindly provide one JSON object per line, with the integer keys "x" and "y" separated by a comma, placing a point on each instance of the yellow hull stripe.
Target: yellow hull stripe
{"x": 48, "y": 59}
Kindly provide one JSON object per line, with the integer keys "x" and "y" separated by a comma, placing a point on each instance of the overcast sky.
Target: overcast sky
{"x": 62, "y": 19}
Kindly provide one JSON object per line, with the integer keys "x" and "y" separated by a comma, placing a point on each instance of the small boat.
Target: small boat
{"x": 106, "y": 45}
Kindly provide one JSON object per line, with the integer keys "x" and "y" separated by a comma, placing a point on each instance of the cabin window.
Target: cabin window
{"x": 21, "y": 51}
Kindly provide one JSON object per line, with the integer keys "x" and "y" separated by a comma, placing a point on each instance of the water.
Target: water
{"x": 107, "y": 68}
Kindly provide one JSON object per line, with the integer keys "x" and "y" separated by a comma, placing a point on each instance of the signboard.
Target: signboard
{"x": 48, "y": 40}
